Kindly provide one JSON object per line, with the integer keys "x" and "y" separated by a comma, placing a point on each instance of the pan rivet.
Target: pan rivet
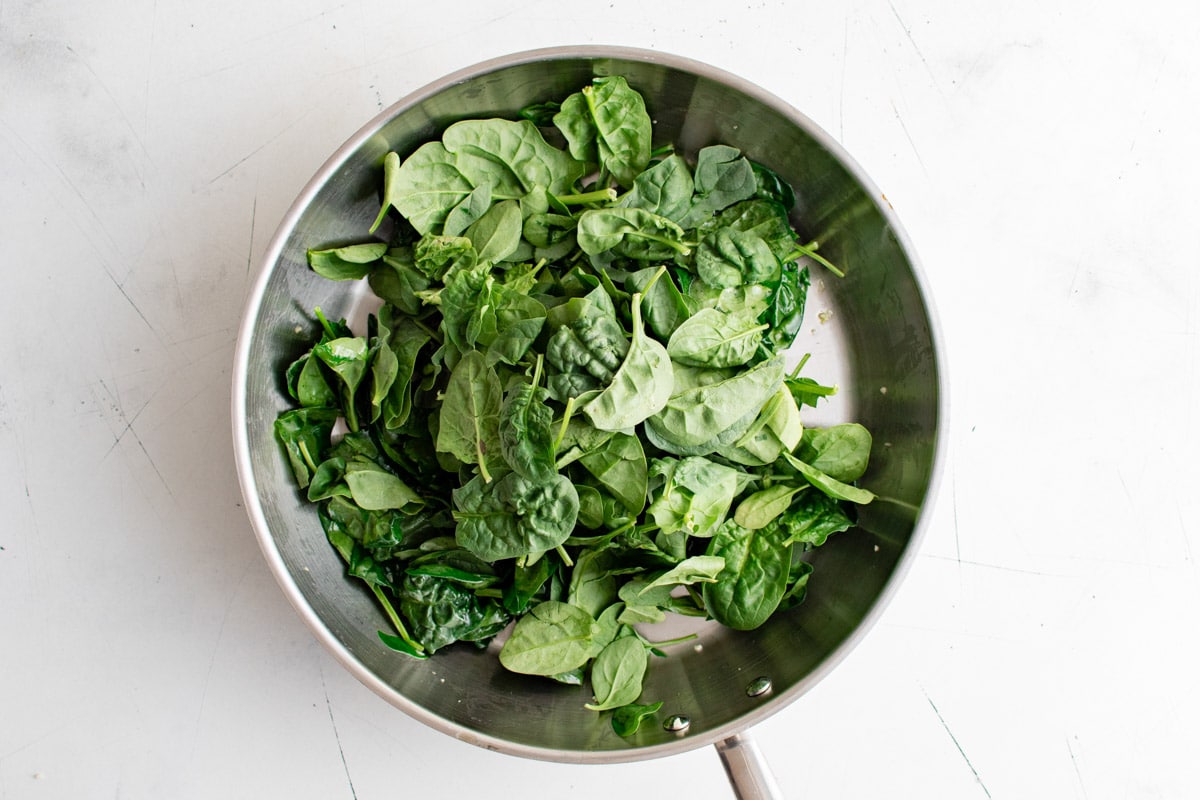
{"x": 759, "y": 686}
{"x": 677, "y": 723}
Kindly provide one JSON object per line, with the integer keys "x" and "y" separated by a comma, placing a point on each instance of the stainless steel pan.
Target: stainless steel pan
{"x": 878, "y": 342}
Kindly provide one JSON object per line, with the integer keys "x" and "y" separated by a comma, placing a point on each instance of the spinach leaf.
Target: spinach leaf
{"x": 663, "y": 305}
{"x": 813, "y": 518}
{"x": 307, "y": 384}
{"x": 751, "y": 586}
{"x": 630, "y": 232}
{"x": 514, "y": 516}
{"x": 511, "y": 158}
{"x": 587, "y": 347}
{"x": 397, "y": 281}
{"x": 469, "y": 422}
{"x": 441, "y": 612}
{"x": 497, "y": 234}
{"x": 375, "y": 489}
{"x": 722, "y": 177}
{"x": 777, "y": 430}
{"x": 304, "y": 434}
{"x": 528, "y": 581}
{"x": 729, "y": 257}
{"x": 764, "y": 506}
{"x": 617, "y": 673}
{"x": 438, "y": 257}
{"x": 628, "y": 718}
{"x": 346, "y": 357}
{"x": 553, "y": 637}
{"x": 348, "y": 263}
{"x": 607, "y": 124}
{"x": 797, "y": 585}
{"x": 697, "y": 569}
{"x": 620, "y": 465}
{"x": 640, "y": 387}
{"x": 469, "y": 210}
{"x": 770, "y": 186}
{"x": 593, "y": 584}
{"x": 526, "y": 440}
{"x": 697, "y": 415}
{"x": 785, "y": 314}
{"x": 404, "y": 341}
{"x": 664, "y": 189}
{"x": 840, "y": 451}
{"x": 829, "y": 485}
{"x": 695, "y": 495}
{"x": 765, "y": 219}
{"x": 716, "y": 338}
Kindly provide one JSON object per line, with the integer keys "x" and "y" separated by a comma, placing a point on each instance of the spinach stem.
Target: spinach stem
{"x": 562, "y": 429}
{"x": 810, "y": 250}
{"x": 562, "y": 553}
{"x": 608, "y": 195}
{"x": 329, "y": 331}
{"x": 653, "y": 280}
{"x": 395, "y": 618}
{"x": 670, "y": 642}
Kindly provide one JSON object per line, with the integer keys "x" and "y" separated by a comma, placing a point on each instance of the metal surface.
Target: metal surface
{"x": 879, "y": 345}
{"x": 748, "y": 773}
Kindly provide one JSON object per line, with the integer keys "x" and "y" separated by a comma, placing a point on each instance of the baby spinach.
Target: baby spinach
{"x": 469, "y": 422}
{"x": 526, "y": 440}
{"x": 607, "y": 124}
{"x": 347, "y": 263}
{"x": 753, "y": 581}
{"x": 569, "y": 414}
{"x": 630, "y": 232}
{"x": 640, "y": 387}
{"x": 697, "y": 415}
{"x": 628, "y": 718}
{"x": 553, "y": 637}
{"x": 840, "y": 451}
{"x": 694, "y": 495}
{"x": 617, "y": 673}
{"x": 664, "y": 189}
{"x": 514, "y": 516}
{"x": 305, "y": 434}
{"x": 716, "y": 338}
{"x": 729, "y": 257}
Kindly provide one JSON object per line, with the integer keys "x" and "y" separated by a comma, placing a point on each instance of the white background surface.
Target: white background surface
{"x": 1043, "y": 158}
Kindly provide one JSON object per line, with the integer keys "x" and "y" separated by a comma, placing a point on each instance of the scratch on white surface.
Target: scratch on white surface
{"x": 91, "y": 211}
{"x": 1075, "y": 766}
{"x": 909, "y": 137}
{"x": 120, "y": 111}
{"x": 261, "y": 147}
{"x": 916, "y": 48}
{"x": 982, "y": 565}
{"x": 957, "y": 746}
{"x": 336, "y": 737}
{"x": 253, "y": 216}
{"x": 128, "y": 428}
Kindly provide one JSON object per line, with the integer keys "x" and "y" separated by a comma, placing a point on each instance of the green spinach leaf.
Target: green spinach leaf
{"x": 553, "y": 637}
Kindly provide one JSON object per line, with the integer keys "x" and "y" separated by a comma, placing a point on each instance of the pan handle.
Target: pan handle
{"x": 748, "y": 772}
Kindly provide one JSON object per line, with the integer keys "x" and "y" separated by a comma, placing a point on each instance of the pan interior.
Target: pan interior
{"x": 876, "y": 342}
